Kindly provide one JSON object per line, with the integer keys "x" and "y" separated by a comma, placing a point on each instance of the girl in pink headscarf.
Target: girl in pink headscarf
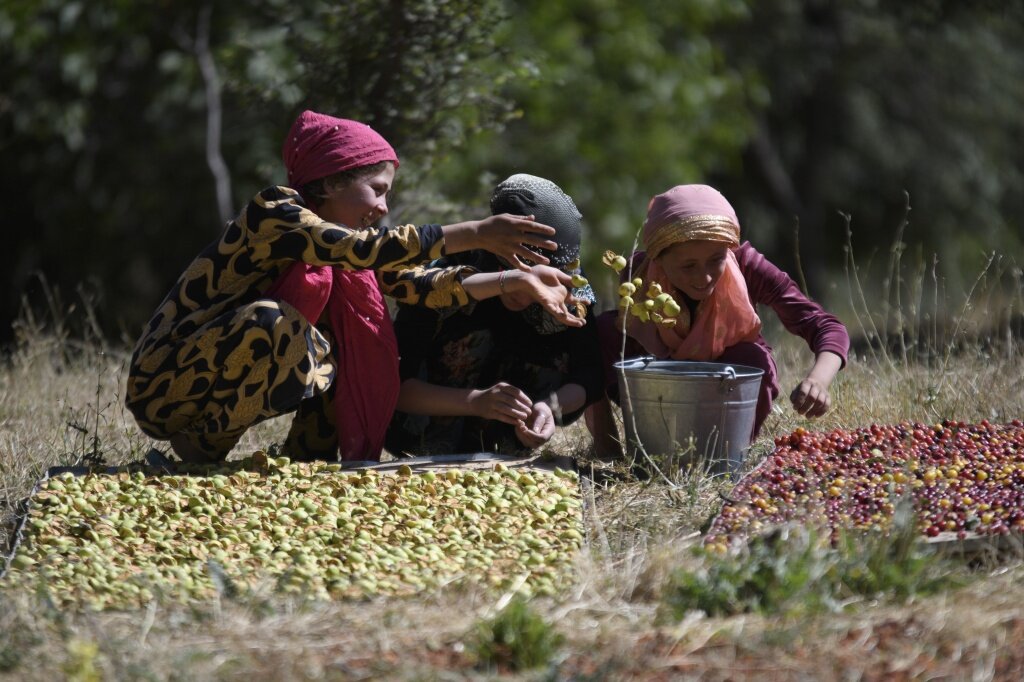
{"x": 692, "y": 250}
{"x": 284, "y": 313}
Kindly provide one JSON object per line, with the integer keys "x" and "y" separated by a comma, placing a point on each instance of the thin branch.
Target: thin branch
{"x": 214, "y": 158}
{"x": 855, "y": 287}
{"x": 796, "y": 255}
{"x": 894, "y": 280}
{"x": 769, "y": 163}
{"x": 625, "y": 384}
{"x": 963, "y": 313}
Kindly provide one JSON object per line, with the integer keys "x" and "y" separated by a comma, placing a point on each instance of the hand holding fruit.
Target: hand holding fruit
{"x": 501, "y": 402}
{"x": 538, "y": 428}
{"x": 810, "y": 398}
{"x": 549, "y": 287}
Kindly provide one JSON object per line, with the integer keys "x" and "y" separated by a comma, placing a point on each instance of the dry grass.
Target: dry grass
{"x": 60, "y": 403}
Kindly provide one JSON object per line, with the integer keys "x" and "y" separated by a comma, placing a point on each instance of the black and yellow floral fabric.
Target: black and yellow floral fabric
{"x": 218, "y": 357}
{"x": 476, "y": 346}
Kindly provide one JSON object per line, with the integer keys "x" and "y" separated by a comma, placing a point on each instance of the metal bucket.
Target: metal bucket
{"x": 666, "y": 403}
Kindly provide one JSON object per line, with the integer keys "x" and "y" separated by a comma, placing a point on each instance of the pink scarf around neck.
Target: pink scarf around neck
{"x": 366, "y": 350}
{"x": 722, "y": 320}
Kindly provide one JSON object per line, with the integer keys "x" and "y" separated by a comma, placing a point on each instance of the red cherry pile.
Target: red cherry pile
{"x": 962, "y": 479}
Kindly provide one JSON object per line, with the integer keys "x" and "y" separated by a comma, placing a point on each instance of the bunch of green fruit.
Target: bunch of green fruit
{"x": 121, "y": 540}
{"x": 652, "y": 305}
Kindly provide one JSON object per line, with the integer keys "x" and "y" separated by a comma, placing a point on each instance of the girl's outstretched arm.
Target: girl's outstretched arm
{"x": 504, "y": 235}
{"x": 502, "y": 402}
{"x": 455, "y": 285}
{"x": 549, "y": 287}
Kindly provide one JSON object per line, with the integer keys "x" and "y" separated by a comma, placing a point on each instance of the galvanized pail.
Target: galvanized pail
{"x": 665, "y": 403}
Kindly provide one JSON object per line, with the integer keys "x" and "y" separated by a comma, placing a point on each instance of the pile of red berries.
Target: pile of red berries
{"x": 961, "y": 479}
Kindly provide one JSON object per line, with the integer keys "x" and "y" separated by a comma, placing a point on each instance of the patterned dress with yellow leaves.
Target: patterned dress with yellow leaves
{"x": 476, "y": 346}
{"x": 217, "y": 357}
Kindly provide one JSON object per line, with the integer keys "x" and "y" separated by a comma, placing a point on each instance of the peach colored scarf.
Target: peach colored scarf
{"x": 726, "y": 317}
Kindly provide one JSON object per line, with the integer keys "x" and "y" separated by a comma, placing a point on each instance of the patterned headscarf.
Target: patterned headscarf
{"x": 319, "y": 145}
{"x": 524, "y": 194}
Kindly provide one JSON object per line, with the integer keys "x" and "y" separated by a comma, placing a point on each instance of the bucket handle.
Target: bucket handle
{"x": 728, "y": 374}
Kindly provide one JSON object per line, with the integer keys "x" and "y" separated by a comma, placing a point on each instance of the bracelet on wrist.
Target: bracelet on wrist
{"x": 501, "y": 281}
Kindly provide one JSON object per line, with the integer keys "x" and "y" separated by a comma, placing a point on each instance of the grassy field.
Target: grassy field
{"x": 645, "y": 605}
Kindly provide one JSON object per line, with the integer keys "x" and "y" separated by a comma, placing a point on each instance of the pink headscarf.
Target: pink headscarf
{"x": 689, "y": 213}
{"x": 319, "y": 145}
{"x": 695, "y": 213}
{"x": 367, "y": 383}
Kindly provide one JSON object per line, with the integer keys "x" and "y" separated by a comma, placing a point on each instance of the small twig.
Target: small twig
{"x": 147, "y": 624}
{"x": 504, "y": 600}
{"x": 95, "y": 457}
{"x": 851, "y": 269}
{"x": 935, "y": 301}
{"x": 78, "y": 427}
{"x": 598, "y": 523}
{"x": 893, "y": 281}
{"x": 726, "y": 498}
{"x": 796, "y": 255}
{"x": 963, "y": 313}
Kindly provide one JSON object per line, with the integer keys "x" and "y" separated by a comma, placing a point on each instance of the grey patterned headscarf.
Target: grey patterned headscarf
{"x": 523, "y": 194}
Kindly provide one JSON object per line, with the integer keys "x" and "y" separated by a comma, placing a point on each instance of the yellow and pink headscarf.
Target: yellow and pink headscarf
{"x": 727, "y": 317}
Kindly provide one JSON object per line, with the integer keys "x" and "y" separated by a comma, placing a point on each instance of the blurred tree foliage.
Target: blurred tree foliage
{"x": 796, "y": 109}
{"x": 624, "y": 100}
{"x": 870, "y": 99}
{"x": 103, "y": 119}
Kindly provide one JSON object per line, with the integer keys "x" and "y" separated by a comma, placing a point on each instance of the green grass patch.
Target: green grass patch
{"x": 796, "y": 569}
{"x": 516, "y": 638}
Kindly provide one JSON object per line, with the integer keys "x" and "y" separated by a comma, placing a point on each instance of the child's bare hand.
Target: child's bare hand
{"x": 538, "y": 428}
{"x": 502, "y": 402}
{"x": 551, "y": 276}
{"x": 810, "y": 398}
{"x": 508, "y": 236}
{"x": 552, "y": 289}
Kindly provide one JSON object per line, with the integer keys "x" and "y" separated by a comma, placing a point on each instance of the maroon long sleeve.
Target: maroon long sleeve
{"x": 770, "y": 286}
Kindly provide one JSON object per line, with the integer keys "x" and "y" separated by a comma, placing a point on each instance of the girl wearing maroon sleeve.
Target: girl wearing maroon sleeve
{"x": 692, "y": 250}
